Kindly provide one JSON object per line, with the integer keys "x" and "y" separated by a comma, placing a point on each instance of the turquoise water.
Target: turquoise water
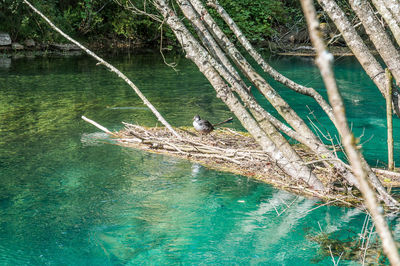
{"x": 68, "y": 197}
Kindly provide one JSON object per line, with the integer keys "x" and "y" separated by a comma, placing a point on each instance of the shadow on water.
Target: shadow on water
{"x": 69, "y": 197}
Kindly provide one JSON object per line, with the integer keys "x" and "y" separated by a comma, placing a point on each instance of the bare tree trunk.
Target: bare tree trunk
{"x": 378, "y": 36}
{"x": 200, "y": 57}
{"x": 389, "y": 18}
{"x": 250, "y": 49}
{"x": 324, "y": 62}
{"x": 112, "y": 68}
{"x": 389, "y": 116}
{"x": 394, "y": 7}
{"x": 315, "y": 144}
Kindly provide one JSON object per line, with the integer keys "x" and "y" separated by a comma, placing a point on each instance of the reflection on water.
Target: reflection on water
{"x": 68, "y": 196}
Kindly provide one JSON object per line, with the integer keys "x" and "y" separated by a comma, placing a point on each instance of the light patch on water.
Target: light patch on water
{"x": 94, "y": 139}
{"x": 196, "y": 168}
{"x": 127, "y": 108}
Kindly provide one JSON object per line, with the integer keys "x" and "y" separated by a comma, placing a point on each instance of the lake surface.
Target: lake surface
{"x": 69, "y": 197}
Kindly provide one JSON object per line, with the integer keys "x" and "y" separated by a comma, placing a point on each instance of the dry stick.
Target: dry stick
{"x": 389, "y": 117}
{"x": 324, "y": 62}
{"x": 109, "y": 66}
{"x": 98, "y": 125}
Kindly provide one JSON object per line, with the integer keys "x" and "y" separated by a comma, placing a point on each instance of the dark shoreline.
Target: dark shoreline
{"x": 116, "y": 48}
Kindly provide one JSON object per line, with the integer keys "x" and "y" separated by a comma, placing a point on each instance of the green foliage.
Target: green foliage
{"x": 105, "y": 19}
{"x": 258, "y": 19}
{"x": 83, "y": 19}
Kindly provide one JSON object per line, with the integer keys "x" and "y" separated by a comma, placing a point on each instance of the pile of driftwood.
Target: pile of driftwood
{"x": 237, "y": 152}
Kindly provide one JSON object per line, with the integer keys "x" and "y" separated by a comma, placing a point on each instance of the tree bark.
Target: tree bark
{"x": 371, "y": 66}
{"x": 378, "y": 36}
{"x": 324, "y": 62}
{"x": 394, "y": 7}
{"x": 388, "y": 17}
{"x": 200, "y": 57}
{"x": 296, "y": 122}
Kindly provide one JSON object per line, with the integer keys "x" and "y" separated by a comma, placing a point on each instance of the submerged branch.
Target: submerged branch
{"x": 98, "y": 126}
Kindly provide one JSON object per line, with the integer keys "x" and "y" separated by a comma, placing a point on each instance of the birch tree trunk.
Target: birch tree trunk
{"x": 324, "y": 62}
{"x": 306, "y": 138}
{"x": 265, "y": 119}
{"x": 317, "y": 146}
{"x": 229, "y": 73}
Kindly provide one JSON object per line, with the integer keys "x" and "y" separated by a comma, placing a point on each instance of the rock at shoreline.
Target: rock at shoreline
{"x": 17, "y": 46}
{"x": 65, "y": 47}
{"x": 5, "y": 39}
{"x": 29, "y": 43}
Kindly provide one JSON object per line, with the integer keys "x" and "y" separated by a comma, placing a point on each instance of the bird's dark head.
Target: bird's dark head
{"x": 196, "y": 118}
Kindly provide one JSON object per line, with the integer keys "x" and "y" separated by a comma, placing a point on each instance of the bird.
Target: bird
{"x": 205, "y": 127}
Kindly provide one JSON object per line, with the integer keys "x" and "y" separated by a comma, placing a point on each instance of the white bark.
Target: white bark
{"x": 227, "y": 71}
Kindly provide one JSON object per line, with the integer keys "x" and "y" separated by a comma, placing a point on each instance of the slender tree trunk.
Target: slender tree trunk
{"x": 389, "y": 116}
{"x": 200, "y": 57}
{"x": 324, "y": 62}
{"x": 378, "y": 36}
